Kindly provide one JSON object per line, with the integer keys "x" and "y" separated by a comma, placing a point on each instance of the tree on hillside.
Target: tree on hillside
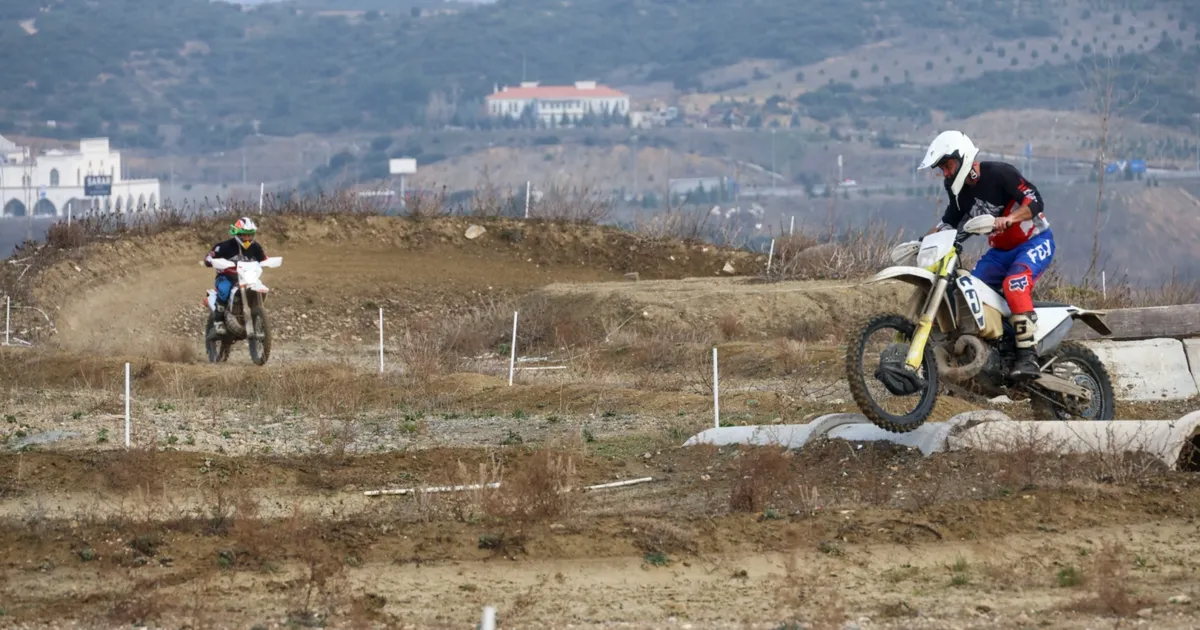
{"x": 1110, "y": 93}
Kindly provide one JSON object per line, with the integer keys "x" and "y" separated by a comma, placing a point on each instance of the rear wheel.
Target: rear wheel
{"x": 1078, "y": 364}
{"x": 887, "y": 394}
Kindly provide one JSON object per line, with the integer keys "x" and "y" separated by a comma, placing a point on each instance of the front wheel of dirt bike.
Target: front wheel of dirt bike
{"x": 217, "y": 349}
{"x": 1078, "y": 364}
{"x": 260, "y": 342}
{"x": 871, "y": 387}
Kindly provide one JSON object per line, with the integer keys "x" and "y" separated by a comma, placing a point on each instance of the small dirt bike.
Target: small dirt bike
{"x": 972, "y": 347}
{"x": 248, "y": 292}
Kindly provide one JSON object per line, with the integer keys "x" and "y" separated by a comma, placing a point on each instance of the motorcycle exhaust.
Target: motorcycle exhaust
{"x": 960, "y": 373}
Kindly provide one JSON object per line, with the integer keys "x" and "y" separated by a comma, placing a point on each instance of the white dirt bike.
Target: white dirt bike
{"x": 249, "y": 292}
{"x": 956, "y": 328}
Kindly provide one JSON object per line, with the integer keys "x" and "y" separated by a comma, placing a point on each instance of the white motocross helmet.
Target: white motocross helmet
{"x": 953, "y": 144}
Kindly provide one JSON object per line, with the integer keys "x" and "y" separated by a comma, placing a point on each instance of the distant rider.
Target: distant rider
{"x": 239, "y": 248}
{"x": 1022, "y": 245}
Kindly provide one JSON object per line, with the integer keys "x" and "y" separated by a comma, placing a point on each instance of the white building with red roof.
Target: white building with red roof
{"x": 550, "y": 103}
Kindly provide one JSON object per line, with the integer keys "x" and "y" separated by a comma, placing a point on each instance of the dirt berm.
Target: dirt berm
{"x": 738, "y": 306}
{"x": 338, "y": 270}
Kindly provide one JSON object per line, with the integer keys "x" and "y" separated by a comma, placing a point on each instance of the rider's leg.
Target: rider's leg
{"x": 1035, "y": 255}
{"x": 992, "y": 267}
{"x": 224, "y": 287}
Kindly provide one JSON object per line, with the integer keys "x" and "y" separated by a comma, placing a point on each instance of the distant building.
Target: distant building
{"x": 548, "y": 104}
{"x": 49, "y": 183}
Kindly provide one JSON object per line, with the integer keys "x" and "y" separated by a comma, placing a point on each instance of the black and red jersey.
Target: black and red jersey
{"x": 1000, "y": 190}
{"x": 232, "y": 250}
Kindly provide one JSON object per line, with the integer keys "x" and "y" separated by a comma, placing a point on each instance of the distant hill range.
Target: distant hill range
{"x": 202, "y": 75}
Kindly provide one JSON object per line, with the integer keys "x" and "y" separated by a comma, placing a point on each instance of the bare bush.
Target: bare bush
{"x": 856, "y": 254}
{"x": 762, "y": 475}
{"x": 572, "y": 205}
{"x": 538, "y": 490}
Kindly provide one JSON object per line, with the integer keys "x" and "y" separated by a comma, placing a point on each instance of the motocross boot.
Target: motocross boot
{"x": 1026, "y": 365}
{"x": 219, "y": 321}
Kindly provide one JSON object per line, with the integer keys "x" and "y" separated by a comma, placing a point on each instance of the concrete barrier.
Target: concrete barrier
{"x": 1147, "y": 370}
{"x": 1175, "y": 442}
{"x": 1171, "y": 441}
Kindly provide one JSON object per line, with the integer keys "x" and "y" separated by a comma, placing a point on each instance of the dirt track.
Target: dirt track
{"x": 242, "y": 502}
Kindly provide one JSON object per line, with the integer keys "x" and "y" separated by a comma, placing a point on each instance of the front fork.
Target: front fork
{"x": 249, "y": 314}
{"x": 916, "y": 349}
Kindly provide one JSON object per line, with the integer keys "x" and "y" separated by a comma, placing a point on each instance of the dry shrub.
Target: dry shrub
{"x": 1109, "y": 579}
{"x": 138, "y": 468}
{"x": 319, "y": 593}
{"x": 538, "y": 490}
{"x": 762, "y": 476}
{"x": 668, "y": 347}
{"x": 1117, "y": 292}
{"x": 657, "y": 536}
{"x": 423, "y": 206}
{"x": 463, "y": 506}
{"x": 808, "y": 328}
{"x": 573, "y": 205}
{"x": 730, "y": 326}
{"x": 173, "y": 351}
{"x": 855, "y": 254}
{"x": 62, "y": 236}
{"x": 680, "y": 224}
{"x": 548, "y": 323}
{"x": 791, "y": 355}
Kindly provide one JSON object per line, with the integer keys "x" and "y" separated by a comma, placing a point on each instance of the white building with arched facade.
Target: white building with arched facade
{"x": 50, "y": 183}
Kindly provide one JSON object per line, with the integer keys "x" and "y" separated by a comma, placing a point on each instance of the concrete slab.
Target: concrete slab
{"x": 1171, "y": 441}
{"x": 785, "y": 435}
{"x": 1175, "y": 442}
{"x": 1191, "y": 348}
{"x": 1153, "y": 369}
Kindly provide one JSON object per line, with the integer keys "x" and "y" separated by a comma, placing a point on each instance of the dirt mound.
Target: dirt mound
{"x": 337, "y": 272}
{"x": 741, "y": 307}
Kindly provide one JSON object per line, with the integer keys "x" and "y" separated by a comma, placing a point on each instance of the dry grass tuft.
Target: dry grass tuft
{"x": 1109, "y": 581}
{"x": 658, "y": 536}
{"x": 762, "y": 475}
{"x": 855, "y": 254}
{"x": 538, "y": 490}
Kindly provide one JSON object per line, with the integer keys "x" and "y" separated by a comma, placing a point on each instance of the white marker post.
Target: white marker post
{"x": 1104, "y": 285}
{"x": 69, "y": 212}
{"x": 381, "y": 340}
{"x": 127, "y": 422}
{"x": 716, "y": 394}
{"x": 771, "y": 255}
{"x": 527, "y": 192}
{"x": 262, "y": 188}
{"x": 792, "y": 229}
{"x": 7, "y": 317}
{"x": 489, "y": 618}
{"x": 512, "y": 359}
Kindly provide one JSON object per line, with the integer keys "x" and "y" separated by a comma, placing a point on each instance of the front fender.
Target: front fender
{"x": 924, "y": 280}
{"x": 916, "y": 276}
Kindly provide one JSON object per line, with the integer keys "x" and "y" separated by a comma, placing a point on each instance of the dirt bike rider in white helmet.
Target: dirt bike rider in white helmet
{"x": 1022, "y": 245}
{"x": 241, "y": 247}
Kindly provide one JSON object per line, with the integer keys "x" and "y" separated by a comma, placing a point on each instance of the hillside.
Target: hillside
{"x": 207, "y": 74}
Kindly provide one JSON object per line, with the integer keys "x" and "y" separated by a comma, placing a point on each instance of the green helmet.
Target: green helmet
{"x": 244, "y": 226}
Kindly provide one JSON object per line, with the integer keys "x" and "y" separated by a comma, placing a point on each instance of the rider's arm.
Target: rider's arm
{"x": 258, "y": 252}
{"x": 1022, "y": 195}
{"x": 209, "y": 257}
